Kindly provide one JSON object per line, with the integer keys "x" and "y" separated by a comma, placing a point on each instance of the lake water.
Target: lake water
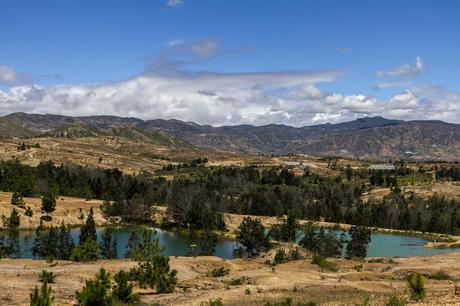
{"x": 381, "y": 245}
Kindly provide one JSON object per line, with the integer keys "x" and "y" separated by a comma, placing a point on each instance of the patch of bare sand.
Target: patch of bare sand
{"x": 71, "y": 211}
{"x": 259, "y": 283}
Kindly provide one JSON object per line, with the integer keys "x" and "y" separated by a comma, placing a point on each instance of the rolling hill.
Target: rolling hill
{"x": 370, "y": 137}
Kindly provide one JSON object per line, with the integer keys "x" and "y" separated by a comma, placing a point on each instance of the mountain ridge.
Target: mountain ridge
{"x": 367, "y": 137}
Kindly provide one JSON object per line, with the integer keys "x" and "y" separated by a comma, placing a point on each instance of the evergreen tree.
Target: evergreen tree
{"x": 154, "y": 270}
{"x": 360, "y": 238}
{"x": 122, "y": 291}
{"x": 39, "y": 243}
{"x": 132, "y": 245}
{"x": 17, "y": 200}
{"x": 208, "y": 242}
{"x": 48, "y": 203}
{"x": 88, "y": 231}
{"x": 85, "y": 251}
{"x": 42, "y": 297}
{"x": 251, "y": 234}
{"x": 96, "y": 292}
{"x": 108, "y": 246}
{"x": 65, "y": 243}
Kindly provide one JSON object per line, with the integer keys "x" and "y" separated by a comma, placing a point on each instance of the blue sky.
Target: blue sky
{"x": 368, "y": 52}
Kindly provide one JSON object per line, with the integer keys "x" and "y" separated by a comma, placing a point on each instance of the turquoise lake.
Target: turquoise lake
{"x": 381, "y": 245}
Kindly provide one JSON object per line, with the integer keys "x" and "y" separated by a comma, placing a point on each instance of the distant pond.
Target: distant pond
{"x": 381, "y": 245}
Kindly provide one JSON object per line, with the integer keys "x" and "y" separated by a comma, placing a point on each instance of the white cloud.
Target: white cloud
{"x": 175, "y": 3}
{"x": 8, "y": 76}
{"x": 230, "y": 98}
{"x": 405, "y": 70}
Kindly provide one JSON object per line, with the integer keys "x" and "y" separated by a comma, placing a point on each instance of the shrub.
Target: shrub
{"x": 17, "y": 200}
{"x": 95, "y": 292}
{"x": 358, "y": 268}
{"x": 219, "y": 272}
{"x": 46, "y": 277}
{"x": 28, "y": 212}
{"x": 289, "y": 302}
{"x": 324, "y": 264}
{"x": 280, "y": 257}
{"x": 86, "y": 251}
{"x": 396, "y": 301}
{"x": 216, "y": 302}
{"x": 42, "y": 297}
{"x": 440, "y": 275}
{"x": 123, "y": 291}
{"x": 235, "y": 282}
{"x": 416, "y": 285}
{"x": 247, "y": 291}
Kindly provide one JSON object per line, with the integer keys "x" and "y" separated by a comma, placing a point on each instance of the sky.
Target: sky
{"x": 232, "y": 62}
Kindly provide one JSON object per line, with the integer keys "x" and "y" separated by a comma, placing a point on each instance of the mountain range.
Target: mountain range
{"x": 367, "y": 138}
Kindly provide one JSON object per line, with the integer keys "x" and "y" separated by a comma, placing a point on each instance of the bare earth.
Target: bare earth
{"x": 297, "y": 279}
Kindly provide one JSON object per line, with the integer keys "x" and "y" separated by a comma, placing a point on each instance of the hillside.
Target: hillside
{"x": 369, "y": 138}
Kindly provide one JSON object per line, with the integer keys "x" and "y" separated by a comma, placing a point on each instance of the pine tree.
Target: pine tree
{"x": 48, "y": 203}
{"x": 88, "y": 231}
{"x": 38, "y": 246}
{"x": 208, "y": 242}
{"x": 65, "y": 243}
{"x": 96, "y": 292}
{"x": 17, "y": 200}
{"x": 42, "y": 297}
{"x": 108, "y": 245}
{"x": 123, "y": 291}
{"x": 360, "y": 238}
{"x": 132, "y": 245}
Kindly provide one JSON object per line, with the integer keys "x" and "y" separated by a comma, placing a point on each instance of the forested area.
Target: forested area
{"x": 197, "y": 198}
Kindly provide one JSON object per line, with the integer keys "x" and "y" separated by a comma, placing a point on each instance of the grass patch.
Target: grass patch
{"x": 322, "y": 262}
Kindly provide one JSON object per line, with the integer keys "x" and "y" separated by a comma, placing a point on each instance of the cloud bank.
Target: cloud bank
{"x": 289, "y": 97}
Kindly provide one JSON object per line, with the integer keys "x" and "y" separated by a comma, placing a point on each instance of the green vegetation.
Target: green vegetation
{"x": 290, "y": 302}
{"x": 280, "y": 257}
{"x": 154, "y": 270}
{"x": 197, "y": 196}
{"x": 9, "y": 238}
{"x": 96, "y": 292}
{"x": 396, "y": 301}
{"x": 42, "y": 297}
{"x": 440, "y": 275}
{"x": 219, "y": 272}
{"x": 51, "y": 242}
{"x": 46, "y": 277}
{"x": 324, "y": 264}
{"x": 251, "y": 235}
{"x": 360, "y": 238}
{"x": 17, "y": 200}
{"x": 320, "y": 242}
{"x": 108, "y": 245}
{"x": 122, "y": 291}
{"x": 416, "y": 285}
{"x": 48, "y": 203}
{"x": 86, "y": 251}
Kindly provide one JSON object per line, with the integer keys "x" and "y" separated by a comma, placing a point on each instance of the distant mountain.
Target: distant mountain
{"x": 370, "y": 137}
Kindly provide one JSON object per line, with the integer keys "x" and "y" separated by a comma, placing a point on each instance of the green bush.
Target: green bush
{"x": 396, "y": 301}
{"x": 96, "y": 292}
{"x": 41, "y": 297}
{"x": 46, "y": 277}
{"x": 219, "y": 272}
{"x": 280, "y": 257}
{"x": 86, "y": 251}
{"x": 216, "y": 302}
{"x": 416, "y": 285}
{"x": 28, "y": 212}
{"x": 324, "y": 264}
{"x": 122, "y": 290}
{"x": 440, "y": 275}
{"x": 289, "y": 302}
